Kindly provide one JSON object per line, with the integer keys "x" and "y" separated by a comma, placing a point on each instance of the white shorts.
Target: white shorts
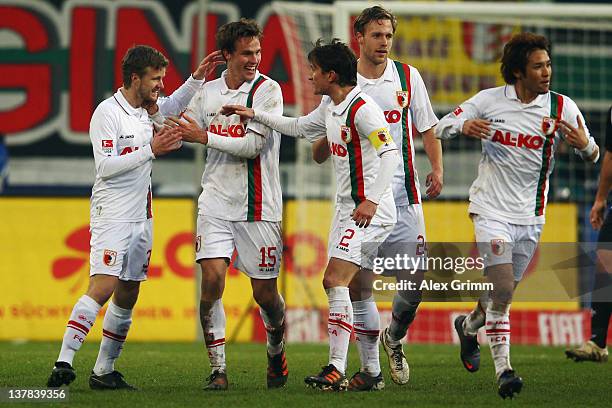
{"x": 121, "y": 249}
{"x": 501, "y": 243}
{"x": 259, "y": 244}
{"x": 357, "y": 245}
{"x": 407, "y": 238}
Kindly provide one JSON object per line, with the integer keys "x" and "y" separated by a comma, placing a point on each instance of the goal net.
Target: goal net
{"x": 456, "y": 47}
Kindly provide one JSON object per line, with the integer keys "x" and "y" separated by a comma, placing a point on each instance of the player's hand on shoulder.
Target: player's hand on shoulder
{"x": 165, "y": 141}
{"x": 188, "y": 129}
{"x": 242, "y": 111}
{"x": 576, "y": 137}
{"x": 477, "y": 128}
{"x": 363, "y": 214}
{"x": 597, "y": 214}
{"x": 434, "y": 183}
{"x": 208, "y": 64}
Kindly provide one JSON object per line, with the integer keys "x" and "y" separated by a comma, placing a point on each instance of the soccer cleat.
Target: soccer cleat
{"x": 365, "y": 382}
{"x": 217, "y": 381}
{"x": 509, "y": 384}
{"x": 277, "y": 370}
{"x": 470, "y": 350}
{"x": 400, "y": 371}
{"x": 589, "y": 351}
{"x": 110, "y": 381}
{"x": 62, "y": 374}
{"x": 329, "y": 379}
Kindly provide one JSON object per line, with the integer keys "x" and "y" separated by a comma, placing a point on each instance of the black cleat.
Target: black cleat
{"x": 277, "y": 370}
{"x": 509, "y": 384}
{"x": 470, "y": 350}
{"x": 110, "y": 381}
{"x": 329, "y": 379}
{"x": 365, "y": 382}
{"x": 217, "y": 381}
{"x": 62, "y": 374}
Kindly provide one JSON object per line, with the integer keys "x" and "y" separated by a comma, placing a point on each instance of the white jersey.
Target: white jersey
{"x": 518, "y": 157}
{"x": 121, "y": 139}
{"x": 234, "y": 188}
{"x": 401, "y": 94}
{"x": 358, "y": 135}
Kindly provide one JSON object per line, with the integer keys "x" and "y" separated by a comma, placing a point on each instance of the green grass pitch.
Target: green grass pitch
{"x": 172, "y": 375}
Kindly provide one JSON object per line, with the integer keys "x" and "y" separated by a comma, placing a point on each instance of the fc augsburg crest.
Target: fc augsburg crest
{"x": 402, "y": 98}
{"x": 549, "y": 125}
{"x": 345, "y": 134}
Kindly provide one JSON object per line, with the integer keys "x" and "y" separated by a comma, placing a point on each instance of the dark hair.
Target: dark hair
{"x": 137, "y": 59}
{"x": 335, "y": 56}
{"x": 373, "y": 14}
{"x": 517, "y": 51}
{"x": 229, "y": 33}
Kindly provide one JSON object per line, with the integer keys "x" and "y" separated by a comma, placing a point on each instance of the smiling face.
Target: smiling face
{"x": 538, "y": 72}
{"x": 150, "y": 84}
{"x": 243, "y": 61}
{"x": 376, "y": 40}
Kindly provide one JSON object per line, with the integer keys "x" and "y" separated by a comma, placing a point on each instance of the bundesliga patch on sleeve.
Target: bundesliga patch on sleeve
{"x": 107, "y": 146}
{"x": 458, "y": 111}
{"x": 380, "y": 137}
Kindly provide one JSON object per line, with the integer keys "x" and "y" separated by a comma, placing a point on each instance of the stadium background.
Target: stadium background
{"x": 59, "y": 59}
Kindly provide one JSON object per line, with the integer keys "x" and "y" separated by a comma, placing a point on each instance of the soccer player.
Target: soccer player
{"x": 240, "y": 207}
{"x": 365, "y": 158}
{"x": 521, "y": 124}
{"x": 124, "y": 146}
{"x": 601, "y": 300}
{"x": 400, "y": 92}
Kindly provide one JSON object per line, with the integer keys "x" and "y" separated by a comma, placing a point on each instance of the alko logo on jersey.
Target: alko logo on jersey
{"x": 520, "y": 140}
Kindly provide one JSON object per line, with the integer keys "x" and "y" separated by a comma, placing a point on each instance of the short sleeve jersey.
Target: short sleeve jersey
{"x": 235, "y": 188}
{"x": 357, "y": 134}
{"x": 518, "y": 158}
{"x": 400, "y": 92}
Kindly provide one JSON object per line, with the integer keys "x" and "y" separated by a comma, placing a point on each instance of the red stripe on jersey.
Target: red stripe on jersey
{"x": 258, "y": 188}
{"x": 357, "y": 183}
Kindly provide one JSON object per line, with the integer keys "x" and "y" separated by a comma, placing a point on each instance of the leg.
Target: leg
{"x": 117, "y": 322}
{"x": 336, "y": 279}
{"x": 601, "y": 303}
{"x": 81, "y": 320}
{"x": 212, "y": 319}
{"x": 366, "y": 321}
{"x": 404, "y": 307}
{"x": 272, "y": 311}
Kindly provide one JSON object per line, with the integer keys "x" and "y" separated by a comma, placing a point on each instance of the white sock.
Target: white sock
{"x": 214, "y": 336}
{"x": 117, "y": 322}
{"x": 274, "y": 320}
{"x": 367, "y": 327}
{"x": 339, "y": 325}
{"x": 81, "y": 320}
{"x": 497, "y": 327}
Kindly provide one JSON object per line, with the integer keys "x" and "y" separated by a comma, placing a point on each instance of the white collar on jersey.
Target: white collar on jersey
{"x": 245, "y": 87}
{"x": 387, "y": 76}
{"x": 129, "y": 109}
{"x": 342, "y": 106}
{"x": 540, "y": 100}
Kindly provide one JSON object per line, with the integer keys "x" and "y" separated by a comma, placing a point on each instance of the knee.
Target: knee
{"x": 266, "y": 298}
{"x": 330, "y": 281}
